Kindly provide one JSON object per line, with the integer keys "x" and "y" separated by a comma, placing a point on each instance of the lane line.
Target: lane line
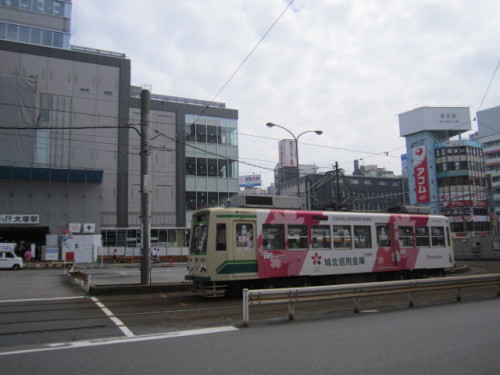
{"x": 41, "y": 299}
{"x": 127, "y": 332}
{"x": 120, "y": 340}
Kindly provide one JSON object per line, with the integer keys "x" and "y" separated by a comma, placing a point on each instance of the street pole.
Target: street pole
{"x": 145, "y": 190}
{"x": 296, "y": 140}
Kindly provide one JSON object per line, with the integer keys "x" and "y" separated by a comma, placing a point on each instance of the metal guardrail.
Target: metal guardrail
{"x": 356, "y": 291}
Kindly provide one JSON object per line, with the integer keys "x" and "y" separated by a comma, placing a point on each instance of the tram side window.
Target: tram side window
{"x": 383, "y": 236}
{"x": 342, "y": 237}
{"x": 437, "y": 235}
{"x": 297, "y": 237}
{"x": 422, "y": 236}
{"x": 244, "y": 236}
{"x": 273, "y": 236}
{"x": 321, "y": 238}
{"x": 221, "y": 237}
{"x": 362, "y": 237}
{"x": 406, "y": 236}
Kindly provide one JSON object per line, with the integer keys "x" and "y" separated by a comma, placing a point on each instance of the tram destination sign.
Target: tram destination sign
{"x": 19, "y": 219}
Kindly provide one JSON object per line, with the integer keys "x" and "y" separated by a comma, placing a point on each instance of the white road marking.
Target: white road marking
{"x": 120, "y": 340}
{"x": 40, "y": 299}
{"x": 127, "y": 332}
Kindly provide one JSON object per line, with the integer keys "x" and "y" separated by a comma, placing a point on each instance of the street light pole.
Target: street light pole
{"x": 296, "y": 140}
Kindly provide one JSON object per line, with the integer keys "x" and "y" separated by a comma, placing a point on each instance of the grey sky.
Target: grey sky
{"x": 345, "y": 67}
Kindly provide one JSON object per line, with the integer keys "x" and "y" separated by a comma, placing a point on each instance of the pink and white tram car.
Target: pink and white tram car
{"x": 236, "y": 248}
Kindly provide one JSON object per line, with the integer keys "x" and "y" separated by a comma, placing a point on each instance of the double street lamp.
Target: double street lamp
{"x": 296, "y": 139}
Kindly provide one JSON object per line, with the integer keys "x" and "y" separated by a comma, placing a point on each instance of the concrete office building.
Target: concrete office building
{"x": 488, "y": 123}
{"x": 39, "y": 22}
{"x": 446, "y": 176}
{"x": 69, "y": 151}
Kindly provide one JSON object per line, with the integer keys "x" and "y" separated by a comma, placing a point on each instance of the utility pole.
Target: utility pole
{"x": 145, "y": 190}
{"x": 338, "y": 173}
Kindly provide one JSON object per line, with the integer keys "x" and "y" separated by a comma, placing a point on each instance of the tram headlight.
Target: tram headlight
{"x": 190, "y": 267}
{"x": 202, "y": 268}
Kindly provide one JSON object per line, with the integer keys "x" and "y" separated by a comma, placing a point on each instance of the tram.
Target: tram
{"x": 245, "y": 247}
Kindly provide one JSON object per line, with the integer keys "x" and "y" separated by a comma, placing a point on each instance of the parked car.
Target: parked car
{"x": 9, "y": 260}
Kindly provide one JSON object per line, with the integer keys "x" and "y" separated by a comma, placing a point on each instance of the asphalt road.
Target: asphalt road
{"x": 447, "y": 339}
{"x": 43, "y": 309}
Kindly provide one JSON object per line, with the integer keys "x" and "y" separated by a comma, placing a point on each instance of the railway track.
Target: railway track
{"x": 32, "y": 322}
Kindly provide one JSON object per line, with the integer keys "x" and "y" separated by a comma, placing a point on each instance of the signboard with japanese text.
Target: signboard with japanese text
{"x": 421, "y": 172}
{"x": 287, "y": 150}
{"x": 19, "y": 219}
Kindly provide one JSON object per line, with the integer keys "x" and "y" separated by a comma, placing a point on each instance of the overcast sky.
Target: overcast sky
{"x": 345, "y": 67}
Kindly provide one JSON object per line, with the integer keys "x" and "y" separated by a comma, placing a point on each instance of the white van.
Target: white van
{"x": 9, "y": 260}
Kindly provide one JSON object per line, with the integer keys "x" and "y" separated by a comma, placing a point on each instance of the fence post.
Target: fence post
{"x": 246, "y": 314}
{"x": 356, "y": 305}
{"x": 291, "y": 310}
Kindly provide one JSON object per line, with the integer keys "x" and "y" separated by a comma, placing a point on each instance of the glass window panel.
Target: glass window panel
{"x": 437, "y": 234}
{"x": 12, "y": 31}
{"x": 38, "y": 5}
{"x": 47, "y": 38}
{"x": 405, "y": 236}
{"x": 201, "y": 198}
{"x": 342, "y": 237}
{"x": 190, "y": 133}
{"x": 212, "y": 167}
{"x": 212, "y": 199}
{"x": 36, "y": 36}
{"x": 273, "y": 236}
{"x": 221, "y": 237}
{"x": 58, "y": 8}
{"x": 201, "y": 166}
{"x": 223, "y": 198}
{"x": 26, "y": 4}
{"x": 422, "y": 236}
{"x": 211, "y": 134}
{"x": 222, "y": 135}
{"x": 191, "y": 200}
{"x": 49, "y": 7}
{"x": 233, "y": 168}
{"x": 244, "y": 236}
{"x": 59, "y": 41}
{"x": 383, "y": 236}
{"x": 297, "y": 237}
{"x": 321, "y": 237}
{"x": 163, "y": 235}
{"x": 222, "y": 167}
{"x": 233, "y": 137}
{"x": 24, "y": 34}
{"x": 191, "y": 166}
{"x": 201, "y": 133}
{"x": 3, "y": 30}
{"x": 362, "y": 237}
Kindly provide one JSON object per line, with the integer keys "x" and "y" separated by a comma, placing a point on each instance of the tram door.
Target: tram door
{"x": 245, "y": 251}
{"x": 385, "y": 240}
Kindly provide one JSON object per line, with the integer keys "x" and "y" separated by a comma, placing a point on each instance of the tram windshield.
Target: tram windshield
{"x": 199, "y": 240}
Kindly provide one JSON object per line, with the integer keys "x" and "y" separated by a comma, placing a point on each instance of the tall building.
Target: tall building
{"x": 446, "y": 176}
{"x": 38, "y": 22}
{"x": 488, "y": 123}
{"x": 70, "y": 144}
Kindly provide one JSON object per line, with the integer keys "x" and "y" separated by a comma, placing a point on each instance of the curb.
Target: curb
{"x": 106, "y": 290}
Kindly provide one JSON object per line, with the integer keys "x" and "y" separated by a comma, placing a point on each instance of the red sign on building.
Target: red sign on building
{"x": 421, "y": 172}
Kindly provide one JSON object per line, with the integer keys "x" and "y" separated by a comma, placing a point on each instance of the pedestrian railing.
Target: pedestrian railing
{"x": 291, "y": 296}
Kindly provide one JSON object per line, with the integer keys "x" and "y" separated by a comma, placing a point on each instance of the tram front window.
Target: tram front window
{"x": 199, "y": 240}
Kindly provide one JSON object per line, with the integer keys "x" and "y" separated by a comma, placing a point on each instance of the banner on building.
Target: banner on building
{"x": 250, "y": 180}
{"x": 421, "y": 171}
{"x": 288, "y": 155}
